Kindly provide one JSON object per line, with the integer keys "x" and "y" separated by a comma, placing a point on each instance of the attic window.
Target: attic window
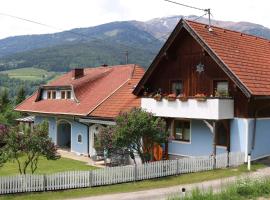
{"x": 49, "y": 96}
{"x": 176, "y": 87}
{"x": 53, "y": 94}
{"x": 63, "y": 94}
{"x": 68, "y": 94}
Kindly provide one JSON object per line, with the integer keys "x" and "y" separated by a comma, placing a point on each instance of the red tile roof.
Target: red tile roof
{"x": 98, "y": 93}
{"x": 247, "y": 56}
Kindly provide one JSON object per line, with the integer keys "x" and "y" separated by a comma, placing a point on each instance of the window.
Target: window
{"x": 182, "y": 130}
{"x": 49, "y": 95}
{"x": 53, "y": 94}
{"x": 68, "y": 95}
{"x": 176, "y": 87}
{"x": 221, "y": 88}
{"x": 63, "y": 94}
{"x": 222, "y": 134}
{"x": 80, "y": 138}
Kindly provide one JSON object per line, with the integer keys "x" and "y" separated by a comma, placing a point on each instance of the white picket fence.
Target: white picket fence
{"x": 114, "y": 175}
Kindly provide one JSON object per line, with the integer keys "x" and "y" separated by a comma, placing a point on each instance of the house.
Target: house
{"x": 215, "y": 85}
{"x": 79, "y": 103}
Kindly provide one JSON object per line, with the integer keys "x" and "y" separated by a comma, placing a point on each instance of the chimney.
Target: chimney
{"x": 77, "y": 73}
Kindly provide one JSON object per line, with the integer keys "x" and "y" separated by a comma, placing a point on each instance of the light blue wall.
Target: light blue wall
{"x": 52, "y": 125}
{"x": 262, "y": 139}
{"x": 238, "y": 135}
{"x": 201, "y": 142}
{"x": 76, "y": 129}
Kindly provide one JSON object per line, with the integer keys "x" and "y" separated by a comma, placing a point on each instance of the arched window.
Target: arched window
{"x": 80, "y": 138}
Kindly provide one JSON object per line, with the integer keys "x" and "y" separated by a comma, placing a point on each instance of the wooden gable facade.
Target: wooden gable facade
{"x": 178, "y": 61}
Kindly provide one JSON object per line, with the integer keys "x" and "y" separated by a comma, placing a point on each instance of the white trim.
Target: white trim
{"x": 180, "y": 142}
{"x": 262, "y": 118}
{"x": 96, "y": 121}
{"x": 177, "y": 154}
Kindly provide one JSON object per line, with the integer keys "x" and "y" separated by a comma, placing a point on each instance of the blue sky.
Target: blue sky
{"x": 67, "y": 14}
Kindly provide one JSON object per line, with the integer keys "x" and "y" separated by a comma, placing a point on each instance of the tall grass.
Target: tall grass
{"x": 242, "y": 189}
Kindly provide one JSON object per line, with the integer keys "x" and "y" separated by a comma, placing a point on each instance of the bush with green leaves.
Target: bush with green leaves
{"x": 136, "y": 131}
{"x": 31, "y": 143}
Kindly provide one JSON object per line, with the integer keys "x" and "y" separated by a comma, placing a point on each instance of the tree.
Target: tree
{"x": 4, "y": 98}
{"x": 137, "y": 131}
{"x": 26, "y": 147}
{"x": 20, "y": 95}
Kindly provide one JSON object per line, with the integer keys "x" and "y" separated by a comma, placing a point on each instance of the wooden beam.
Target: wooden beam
{"x": 209, "y": 125}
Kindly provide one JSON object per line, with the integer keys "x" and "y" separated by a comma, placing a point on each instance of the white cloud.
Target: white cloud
{"x": 67, "y": 14}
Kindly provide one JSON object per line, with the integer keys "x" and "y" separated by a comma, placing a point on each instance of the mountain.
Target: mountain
{"x": 92, "y": 46}
{"x": 103, "y": 44}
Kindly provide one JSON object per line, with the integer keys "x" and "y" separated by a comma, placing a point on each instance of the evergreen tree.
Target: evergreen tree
{"x": 4, "y": 98}
{"x": 20, "y": 95}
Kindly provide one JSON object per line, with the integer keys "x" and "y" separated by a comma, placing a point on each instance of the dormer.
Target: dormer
{"x": 56, "y": 92}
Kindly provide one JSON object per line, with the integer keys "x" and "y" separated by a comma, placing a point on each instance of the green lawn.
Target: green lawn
{"x": 135, "y": 186}
{"x": 48, "y": 166}
{"x": 30, "y": 74}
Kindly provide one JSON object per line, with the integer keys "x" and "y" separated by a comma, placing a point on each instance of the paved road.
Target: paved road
{"x": 164, "y": 193}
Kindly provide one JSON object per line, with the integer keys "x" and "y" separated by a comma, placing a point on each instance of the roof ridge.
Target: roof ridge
{"x": 130, "y": 78}
{"x": 227, "y": 29}
{"x": 109, "y": 96}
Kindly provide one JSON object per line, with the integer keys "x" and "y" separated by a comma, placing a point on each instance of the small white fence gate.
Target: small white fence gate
{"x": 113, "y": 175}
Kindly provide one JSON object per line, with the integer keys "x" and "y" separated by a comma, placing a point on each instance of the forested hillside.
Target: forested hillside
{"x": 103, "y": 44}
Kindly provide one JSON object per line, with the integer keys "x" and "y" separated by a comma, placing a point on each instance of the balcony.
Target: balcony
{"x": 210, "y": 108}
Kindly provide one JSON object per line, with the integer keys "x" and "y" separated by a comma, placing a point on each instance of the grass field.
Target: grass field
{"x": 241, "y": 190}
{"x": 30, "y": 74}
{"x": 134, "y": 186}
{"x": 47, "y": 166}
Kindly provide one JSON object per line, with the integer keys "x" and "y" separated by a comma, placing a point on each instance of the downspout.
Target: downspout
{"x": 88, "y": 130}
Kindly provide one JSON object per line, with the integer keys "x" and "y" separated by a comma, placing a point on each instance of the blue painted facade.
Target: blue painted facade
{"x": 201, "y": 143}
{"x": 241, "y": 131}
{"x": 262, "y": 138}
{"x": 76, "y": 130}
{"x": 241, "y": 136}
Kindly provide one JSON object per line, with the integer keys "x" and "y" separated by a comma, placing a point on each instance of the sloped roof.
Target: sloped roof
{"x": 92, "y": 91}
{"x": 244, "y": 58}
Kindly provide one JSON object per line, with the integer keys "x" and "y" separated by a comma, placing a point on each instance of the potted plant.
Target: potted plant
{"x": 182, "y": 97}
{"x": 171, "y": 97}
{"x": 223, "y": 93}
{"x": 200, "y": 97}
{"x": 158, "y": 97}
